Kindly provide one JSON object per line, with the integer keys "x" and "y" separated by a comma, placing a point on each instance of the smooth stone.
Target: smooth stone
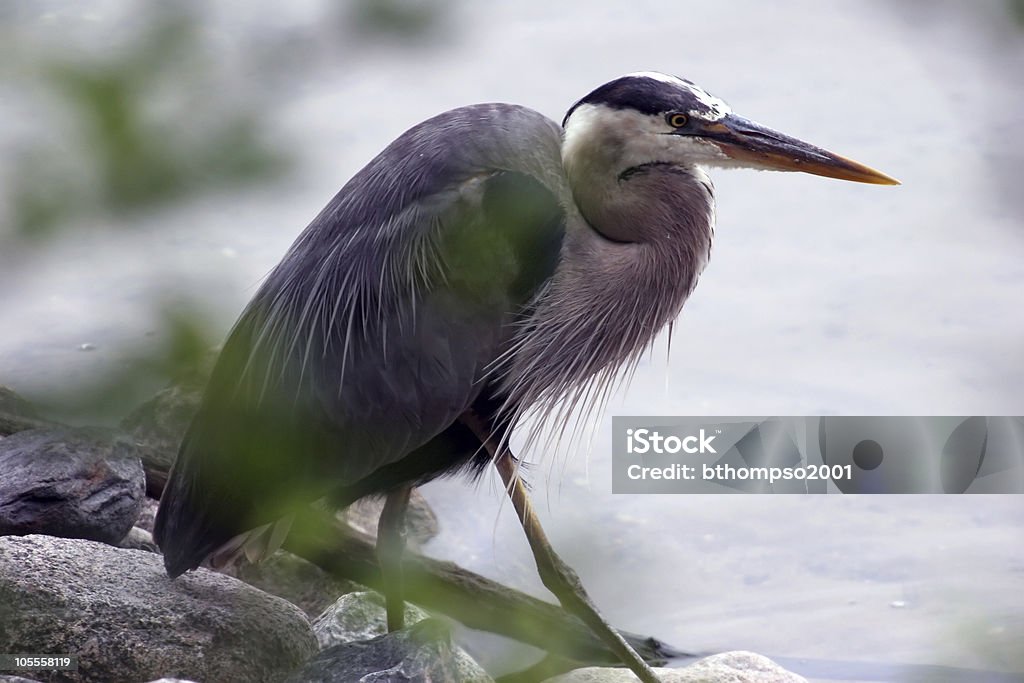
{"x": 126, "y": 621}
{"x": 139, "y": 539}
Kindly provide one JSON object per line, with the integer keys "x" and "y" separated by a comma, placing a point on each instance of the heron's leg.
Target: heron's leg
{"x": 390, "y": 547}
{"x": 558, "y": 577}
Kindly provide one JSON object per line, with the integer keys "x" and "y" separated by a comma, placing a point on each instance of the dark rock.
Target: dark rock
{"x": 74, "y": 483}
{"x": 157, "y": 427}
{"x": 299, "y": 582}
{"x": 418, "y": 654}
{"x": 126, "y": 621}
{"x": 420, "y": 521}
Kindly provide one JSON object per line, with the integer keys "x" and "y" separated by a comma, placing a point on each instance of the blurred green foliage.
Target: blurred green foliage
{"x": 1016, "y": 8}
{"x": 119, "y": 111}
{"x": 403, "y": 19}
{"x": 149, "y": 124}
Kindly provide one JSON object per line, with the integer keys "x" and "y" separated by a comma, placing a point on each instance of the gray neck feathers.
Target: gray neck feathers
{"x": 631, "y": 257}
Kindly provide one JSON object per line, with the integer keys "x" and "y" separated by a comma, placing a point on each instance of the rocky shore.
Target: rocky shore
{"x": 80, "y": 575}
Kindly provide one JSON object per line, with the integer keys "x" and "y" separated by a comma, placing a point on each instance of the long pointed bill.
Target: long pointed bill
{"x": 753, "y": 144}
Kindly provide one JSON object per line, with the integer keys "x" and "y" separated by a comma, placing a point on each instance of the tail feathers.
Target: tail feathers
{"x": 191, "y": 522}
{"x": 187, "y": 542}
{"x": 184, "y": 540}
{"x": 256, "y": 545}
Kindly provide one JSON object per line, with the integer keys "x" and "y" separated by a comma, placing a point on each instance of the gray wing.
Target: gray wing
{"x": 377, "y": 329}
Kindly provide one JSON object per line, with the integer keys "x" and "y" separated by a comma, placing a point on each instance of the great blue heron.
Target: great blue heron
{"x": 487, "y": 262}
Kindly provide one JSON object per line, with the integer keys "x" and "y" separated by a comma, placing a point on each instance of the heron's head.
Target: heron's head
{"x": 650, "y": 118}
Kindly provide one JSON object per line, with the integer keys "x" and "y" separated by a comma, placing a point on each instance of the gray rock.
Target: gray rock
{"x": 421, "y": 653}
{"x": 147, "y": 516}
{"x": 361, "y": 617}
{"x": 299, "y": 582}
{"x": 139, "y": 539}
{"x": 157, "y": 426}
{"x": 171, "y": 680}
{"x": 13, "y": 404}
{"x": 727, "y": 667}
{"x": 18, "y": 415}
{"x": 420, "y": 521}
{"x": 16, "y": 679}
{"x": 126, "y": 621}
{"x": 74, "y": 483}
{"x": 358, "y": 616}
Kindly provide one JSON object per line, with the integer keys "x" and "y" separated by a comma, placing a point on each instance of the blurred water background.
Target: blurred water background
{"x": 156, "y": 160}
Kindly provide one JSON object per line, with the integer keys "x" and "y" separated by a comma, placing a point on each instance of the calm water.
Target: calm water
{"x": 821, "y": 297}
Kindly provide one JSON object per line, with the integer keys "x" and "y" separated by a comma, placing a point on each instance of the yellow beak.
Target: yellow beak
{"x": 763, "y": 147}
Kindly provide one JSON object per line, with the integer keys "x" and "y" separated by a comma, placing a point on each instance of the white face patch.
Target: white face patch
{"x": 581, "y": 130}
{"x": 719, "y": 109}
{"x": 599, "y": 139}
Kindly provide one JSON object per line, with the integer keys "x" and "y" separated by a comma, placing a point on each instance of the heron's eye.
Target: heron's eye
{"x": 677, "y": 120}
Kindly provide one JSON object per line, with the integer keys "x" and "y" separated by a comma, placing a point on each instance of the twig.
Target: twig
{"x": 469, "y": 598}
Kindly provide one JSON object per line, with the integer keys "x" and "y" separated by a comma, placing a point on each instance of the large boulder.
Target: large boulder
{"x": 126, "y": 621}
{"x": 75, "y": 483}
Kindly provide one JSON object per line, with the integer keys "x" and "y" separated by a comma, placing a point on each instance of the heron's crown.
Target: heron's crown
{"x": 653, "y": 93}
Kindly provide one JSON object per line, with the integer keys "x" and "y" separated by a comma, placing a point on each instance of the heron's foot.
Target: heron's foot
{"x": 563, "y": 582}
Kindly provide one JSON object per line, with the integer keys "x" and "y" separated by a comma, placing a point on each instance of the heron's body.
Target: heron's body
{"x": 453, "y": 295}
{"x": 487, "y": 262}
{"x": 336, "y": 384}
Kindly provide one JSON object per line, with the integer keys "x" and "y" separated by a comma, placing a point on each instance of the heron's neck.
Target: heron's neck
{"x": 646, "y": 237}
{"x": 664, "y": 210}
{"x": 610, "y": 297}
